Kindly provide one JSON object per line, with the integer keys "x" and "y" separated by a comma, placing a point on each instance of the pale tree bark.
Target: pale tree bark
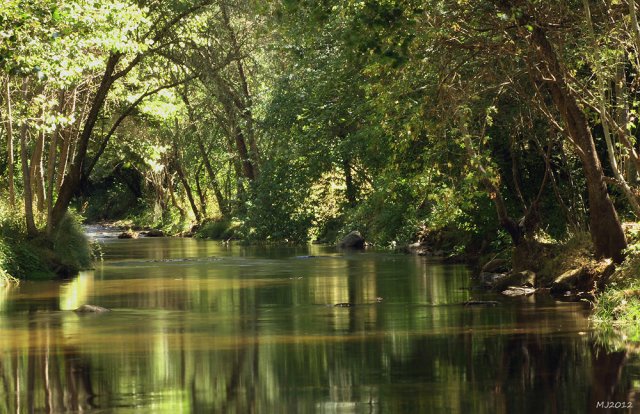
{"x": 10, "y": 159}
{"x": 245, "y": 104}
{"x": 604, "y": 119}
{"x": 36, "y": 171}
{"x": 26, "y": 175}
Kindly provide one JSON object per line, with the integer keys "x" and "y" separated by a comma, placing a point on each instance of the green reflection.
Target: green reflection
{"x": 199, "y": 327}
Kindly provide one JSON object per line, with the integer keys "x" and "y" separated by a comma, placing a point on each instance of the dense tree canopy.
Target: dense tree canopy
{"x": 296, "y": 120}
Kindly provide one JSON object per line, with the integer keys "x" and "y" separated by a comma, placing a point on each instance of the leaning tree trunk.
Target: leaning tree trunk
{"x": 72, "y": 178}
{"x": 606, "y": 231}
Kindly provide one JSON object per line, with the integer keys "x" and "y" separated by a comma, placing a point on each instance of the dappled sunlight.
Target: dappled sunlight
{"x": 77, "y": 292}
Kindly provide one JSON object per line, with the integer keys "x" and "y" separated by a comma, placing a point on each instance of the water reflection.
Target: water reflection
{"x": 199, "y": 327}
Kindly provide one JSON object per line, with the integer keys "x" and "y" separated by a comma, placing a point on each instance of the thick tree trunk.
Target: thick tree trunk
{"x": 348, "y": 178}
{"x": 72, "y": 178}
{"x": 241, "y": 146}
{"x": 606, "y": 231}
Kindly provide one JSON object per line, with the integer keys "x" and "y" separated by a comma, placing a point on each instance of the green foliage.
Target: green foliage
{"x": 71, "y": 249}
{"x": 219, "y": 229}
{"x": 278, "y": 208}
{"x": 20, "y": 257}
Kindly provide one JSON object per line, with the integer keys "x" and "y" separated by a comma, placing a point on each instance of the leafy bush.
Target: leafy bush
{"x": 217, "y": 230}
{"x": 71, "y": 249}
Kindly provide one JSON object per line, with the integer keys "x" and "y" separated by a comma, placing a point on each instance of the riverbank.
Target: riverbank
{"x": 61, "y": 255}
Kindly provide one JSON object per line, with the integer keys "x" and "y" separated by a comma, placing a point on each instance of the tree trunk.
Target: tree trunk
{"x": 606, "y": 231}
{"x": 201, "y": 195}
{"x": 10, "y": 160}
{"x": 222, "y": 204}
{"x": 185, "y": 183}
{"x": 36, "y": 171}
{"x": 246, "y": 103}
{"x": 69, "y": 132}
{"x": 72, "y": 178}
{"x": 348, "y": 177}
{"x": 508, "y": 224}
{"x": 26, "y": 176}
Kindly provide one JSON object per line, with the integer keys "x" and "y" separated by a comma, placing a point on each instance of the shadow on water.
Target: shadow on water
{"x": 255, "y": 330}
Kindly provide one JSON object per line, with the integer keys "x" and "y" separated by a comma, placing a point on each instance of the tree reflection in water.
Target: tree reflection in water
{"x": 243, "y": 336}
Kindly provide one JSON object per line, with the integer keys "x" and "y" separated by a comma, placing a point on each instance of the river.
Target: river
{"x": 203, "y": 327}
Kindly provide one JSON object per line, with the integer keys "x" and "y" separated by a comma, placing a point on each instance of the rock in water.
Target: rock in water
{"x": 155, "y": 233}
{"x": 353, "y": 240}
{"x": 518, "y": 291}
{"x": 127, "y": 235}
{"x": 91, "y": 309}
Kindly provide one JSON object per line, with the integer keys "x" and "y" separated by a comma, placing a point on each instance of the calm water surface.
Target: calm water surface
{"x": 201, "y": 327}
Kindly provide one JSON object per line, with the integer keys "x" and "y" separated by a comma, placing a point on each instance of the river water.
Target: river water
{"x": 198, "y": 326}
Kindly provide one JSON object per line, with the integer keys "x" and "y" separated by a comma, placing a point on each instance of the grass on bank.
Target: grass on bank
{"x": 617, "y": 309}
{"x": 63, "y": 254}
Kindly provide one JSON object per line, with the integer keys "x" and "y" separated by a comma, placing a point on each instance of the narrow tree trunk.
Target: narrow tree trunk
{"x": 604, "y": 120}
{"x": 26, "y": 176}
{"x": 67, "y": 138}
{"x": 36, "y": 171}
{"x": 634, "y": 24}
{"x": 222, "y": 205}
{"x": 246, "y": 108}
{"x": 185, "y": 183}
{"x": 51, "y": 162}
{"x": 201, "y": 195}
{"x": 507, "y": 223}
{"x": 172, "y": 195}
{"x": 606, "y": 231}
{"x": 10, "y": 160}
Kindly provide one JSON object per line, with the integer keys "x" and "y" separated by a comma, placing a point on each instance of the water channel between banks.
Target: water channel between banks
{"x": 198, "y": 326}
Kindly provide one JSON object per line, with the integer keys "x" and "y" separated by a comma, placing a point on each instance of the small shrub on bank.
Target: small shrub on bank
{"x": 71, "y": 249}
{"x": 217, "y": 230}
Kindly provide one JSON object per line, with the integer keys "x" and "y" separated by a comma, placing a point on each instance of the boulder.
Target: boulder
{"x": 569, "y": 280}
{"x": 524, "y": 278}
{"x": 155, "y": 233}
{"x": 91, "y": 309}
{"x": 496, "y": 266}
{"x": 353, "y": 240}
